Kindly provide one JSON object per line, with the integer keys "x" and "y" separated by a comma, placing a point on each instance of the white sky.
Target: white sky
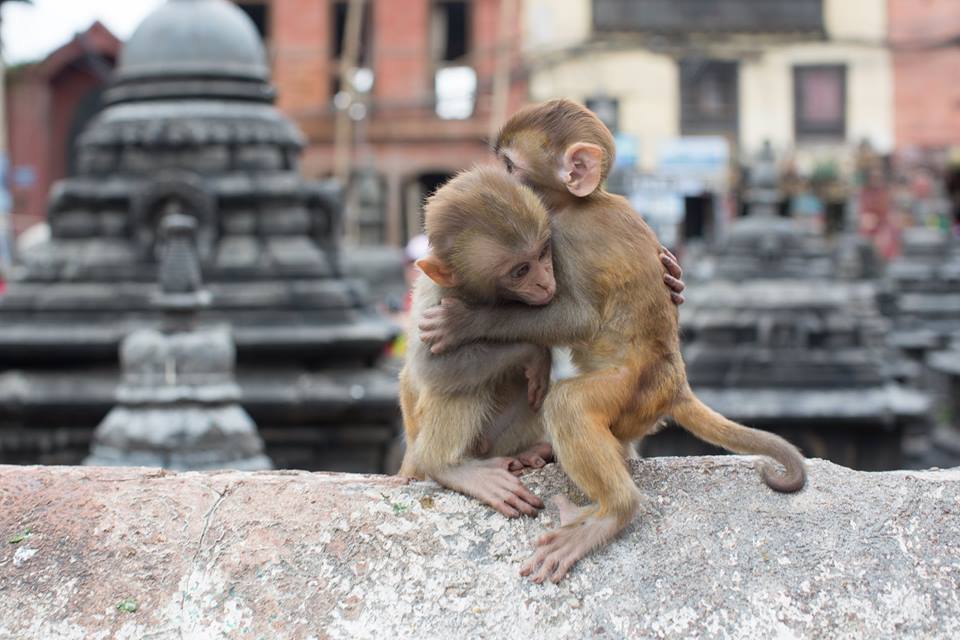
{"x": 30, "y": 32}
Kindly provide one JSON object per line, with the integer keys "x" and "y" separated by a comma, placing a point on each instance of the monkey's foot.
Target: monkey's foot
{"x": 536, "y": 456}
{"x": 492, "y": 482}
{"x": 558, "y": 550}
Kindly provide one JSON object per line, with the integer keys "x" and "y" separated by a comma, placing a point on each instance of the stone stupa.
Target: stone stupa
{"x": 189, "y": 122}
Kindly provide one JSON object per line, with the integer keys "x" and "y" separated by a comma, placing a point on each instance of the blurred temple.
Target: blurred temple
{"x": 189, "y": 128}
{"x": 801, "y": 156}
{"x": 778, "y": 338}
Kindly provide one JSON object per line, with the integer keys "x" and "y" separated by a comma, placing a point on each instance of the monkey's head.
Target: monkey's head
{"x": 559, "y": 148}
{"x": 490, "y": 239}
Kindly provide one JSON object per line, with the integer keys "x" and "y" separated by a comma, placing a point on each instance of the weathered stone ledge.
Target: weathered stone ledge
{"x": 300, "y": 555}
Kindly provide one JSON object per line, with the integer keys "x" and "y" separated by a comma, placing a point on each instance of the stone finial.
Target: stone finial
{"x": 179, "y": 263}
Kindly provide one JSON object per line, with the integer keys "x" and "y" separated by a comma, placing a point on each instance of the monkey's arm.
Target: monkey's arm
{"x": 474, "y": 365}
{"x": 561, "y": 322}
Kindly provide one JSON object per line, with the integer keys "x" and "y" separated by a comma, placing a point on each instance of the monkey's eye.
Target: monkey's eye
{"x": 545, "y": 251}
{"x": 520, "y": 271}
{"x": 509, "y": 164}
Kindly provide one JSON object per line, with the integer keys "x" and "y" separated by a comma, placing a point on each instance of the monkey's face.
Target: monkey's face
{"x": 523, "y": 167}
{"x": 526, "y": 275}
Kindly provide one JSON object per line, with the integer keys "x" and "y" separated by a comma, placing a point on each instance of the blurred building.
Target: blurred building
{"x": 925, "y": 38}
{"x": 811, "y": 74}
{"x": 425, "y": 86}
{"x": 48, "y": 104}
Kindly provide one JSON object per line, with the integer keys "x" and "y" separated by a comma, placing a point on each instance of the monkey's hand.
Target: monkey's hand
{"x": 673, "y": 277}
{"x": 537, "y": 372}
{"x": 441, "y": 325}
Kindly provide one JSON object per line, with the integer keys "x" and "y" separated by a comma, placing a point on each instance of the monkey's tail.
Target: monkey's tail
{"x": 707, "y": 424}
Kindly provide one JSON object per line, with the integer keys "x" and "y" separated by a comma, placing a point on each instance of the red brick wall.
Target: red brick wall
{"x": 28, "y": 115}
{"x": 404, "y": 137}
{"x": 41, "y": 100}
{"x": 926, "y": 78}
{"x": 300, "y": 53}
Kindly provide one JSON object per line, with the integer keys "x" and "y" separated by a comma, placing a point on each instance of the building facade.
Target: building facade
{"x": 425, "y": 91}
{"x": 925, "y": 39}
{"x": 811, "y": 75}
{"x": 48, "y": 103}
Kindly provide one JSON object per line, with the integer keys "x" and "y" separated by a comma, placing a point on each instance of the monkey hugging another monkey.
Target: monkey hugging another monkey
{"x": 589, "y": 279}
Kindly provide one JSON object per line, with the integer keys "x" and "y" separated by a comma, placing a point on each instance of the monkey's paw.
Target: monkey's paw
{"x": 441, "y": 326}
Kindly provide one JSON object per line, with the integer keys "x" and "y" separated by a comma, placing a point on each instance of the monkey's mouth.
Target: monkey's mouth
{"x": 542, "y": 300}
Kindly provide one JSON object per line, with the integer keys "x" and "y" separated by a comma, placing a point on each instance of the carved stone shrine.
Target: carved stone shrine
{"x": 921, "y": 291}
{"x": 775, "y": 339}
{"x": 189, "y": 126}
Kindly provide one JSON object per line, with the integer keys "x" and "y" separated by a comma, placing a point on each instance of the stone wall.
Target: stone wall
{"x": 135, "y": 553}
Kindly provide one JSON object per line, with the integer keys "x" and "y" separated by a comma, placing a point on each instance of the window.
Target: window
{"x": 449, "y": 32}
{"x": 709, "y": 101}
{"x": 607, "y": 109}
{"x": 259, "y": 13}
{"x": 340, "y": 31}
{"x": 819, "y": 101}
{"x": 454, "y": 81}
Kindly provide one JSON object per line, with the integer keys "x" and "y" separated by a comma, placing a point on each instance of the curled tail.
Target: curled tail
{"x": 708, "y": 425}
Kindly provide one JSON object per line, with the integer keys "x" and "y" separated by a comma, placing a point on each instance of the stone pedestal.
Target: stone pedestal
{"x": 178, "y": 406}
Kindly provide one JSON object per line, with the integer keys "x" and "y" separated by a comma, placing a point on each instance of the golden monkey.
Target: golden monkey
{"x": 622, "y": 330}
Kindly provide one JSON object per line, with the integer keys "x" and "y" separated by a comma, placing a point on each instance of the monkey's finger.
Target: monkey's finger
{"x": 504, "y": 508}
{"x": 520, "y": 504}
{"x": 562, "y": 569}
{"x": 428, "y": 324}
{"x": 549, "y": 565}
{"x": 670, "y": 262}
{"x": 676, "y": 285}
{"x": 534, "y": 561}
{"x": 440, "y": 347}
{"x": 516, "y": 488}
{"x": 677, "y": 298}
{"x": 547, "y": 539}
{"x": 533, "y": 460}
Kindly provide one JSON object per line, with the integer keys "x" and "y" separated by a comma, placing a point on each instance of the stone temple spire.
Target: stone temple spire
{"x": 178, "y": 400}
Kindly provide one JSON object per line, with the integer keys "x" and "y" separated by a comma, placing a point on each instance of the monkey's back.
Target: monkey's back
{"x": 624, "y": 254}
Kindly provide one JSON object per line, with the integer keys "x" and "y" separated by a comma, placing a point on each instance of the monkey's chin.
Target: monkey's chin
{"x": 539, "y": 302}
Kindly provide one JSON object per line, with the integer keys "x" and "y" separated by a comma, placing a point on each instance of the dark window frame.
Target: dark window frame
{"x": 804, "y": 130}
{"x": 468, "y": 16}
{"x": 595, "y": 101}
{"x": 337, "y": 34}
{"x": 695, "y": 122}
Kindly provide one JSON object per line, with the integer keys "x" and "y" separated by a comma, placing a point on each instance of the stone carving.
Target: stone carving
{"x": 189, "y": 128}
{"x": 776, "y": 339}
{"x": 178, "y": 398}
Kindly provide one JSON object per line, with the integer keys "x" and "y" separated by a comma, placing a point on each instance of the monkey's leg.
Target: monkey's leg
{"x": 578, "y": 413}
{"x": 449, "y": 428}
{"x": 525, "y": 439}
{"x": 408, "y": 410}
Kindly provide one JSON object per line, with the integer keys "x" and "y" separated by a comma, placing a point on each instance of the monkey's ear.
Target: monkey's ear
{"x": 437, "y": 270}
{"x": 581, "y": 168}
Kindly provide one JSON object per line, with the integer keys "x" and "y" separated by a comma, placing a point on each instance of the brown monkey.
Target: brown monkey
{"x": 490, "y": 242}
{"x": 621, "y": 328}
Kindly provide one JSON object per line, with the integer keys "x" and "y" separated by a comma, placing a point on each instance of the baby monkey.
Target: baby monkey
{"x": 470, "y": 415}
{"x": 617, "y": 320}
